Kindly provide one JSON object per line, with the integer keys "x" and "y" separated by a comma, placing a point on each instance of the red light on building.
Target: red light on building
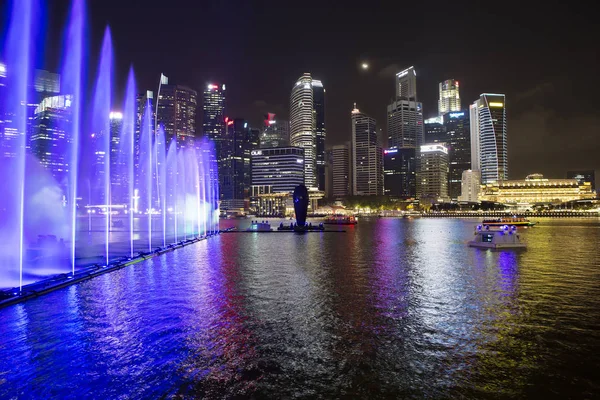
{"x": 229, "y": 123}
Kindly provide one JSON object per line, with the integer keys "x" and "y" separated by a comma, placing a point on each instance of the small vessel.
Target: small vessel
{"x": 259, "y": 226}
{"x": 502, "y": 237}
{"x": 341, "y": 220}
{"x": 513, "y": 221}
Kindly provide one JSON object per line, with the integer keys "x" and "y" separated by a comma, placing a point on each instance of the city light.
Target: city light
{"x": 428, "y": 148}
{"x": 115, "y": 115}
{"x": 365, "y": 66}
{"x": 496, "y": 104}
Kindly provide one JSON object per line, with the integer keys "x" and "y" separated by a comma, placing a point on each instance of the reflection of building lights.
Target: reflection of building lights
{"x": 115, "y": 115}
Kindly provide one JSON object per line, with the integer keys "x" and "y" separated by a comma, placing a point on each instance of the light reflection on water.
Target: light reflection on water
{"x": 392, "y": 307}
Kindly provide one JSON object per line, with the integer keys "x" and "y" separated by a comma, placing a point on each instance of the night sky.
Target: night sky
{"x": 544, "y": 58}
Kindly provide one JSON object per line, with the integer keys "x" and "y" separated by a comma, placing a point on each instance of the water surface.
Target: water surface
{"x": 390, "y": 308}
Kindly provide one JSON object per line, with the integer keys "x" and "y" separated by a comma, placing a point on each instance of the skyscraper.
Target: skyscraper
{"x": 281, "y": 168}
{"x": 307, "y": 127}
{"x": 232, "y": 174}
{"x": 399, "y": 172}
{"x": 488, "y": 131}
{"x": 176, "y": 112}
{"x": 435, "y": 131}
{"x": 433, "y": 175}
{"x": 458, "y": 142}
{"x": 320, "y": 131}
{"x": 367, "y": 163}
{"x": 405, "y": 121}
{"x": 341, "y": 170}
{"x": 276, "y": 132}
{"x": 469, "y": 186}
{"x": 406, "y": 84}
{"x": 449, "y": 97}
{"x": 213, "y": 126}
{"x": 50, "y": 138}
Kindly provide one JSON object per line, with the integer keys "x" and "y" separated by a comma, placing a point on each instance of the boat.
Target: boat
{"x": 493, "y": 237}
{"x": 259, "y": 226}
{"x": 512, "y": 221}
{"x": 341, "y": 220}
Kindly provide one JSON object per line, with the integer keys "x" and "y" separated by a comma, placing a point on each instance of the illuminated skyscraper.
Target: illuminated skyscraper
{"x": 449, "y": 97}
{"x": 433, "y": 175}
{"x": 341, "y": 165}
{"x": 489, "y": 137}
{"x": 320, "y": 131}
{"x": 399, "y": 172}
{"x": 458, "y": 142}
{"x": 405, "y": 121}
{"x": 367, "y": 162}
{"x": 406, "y": 84}
{"x": 276, "y": 132}
{"x": 176, "y": 112}
{"x": 50, "y": 138}
{"x": 307, "y": 127}
{"x": 213, "y": 125}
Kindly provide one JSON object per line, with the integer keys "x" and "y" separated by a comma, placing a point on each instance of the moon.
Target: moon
{"x": 365, "y": 66}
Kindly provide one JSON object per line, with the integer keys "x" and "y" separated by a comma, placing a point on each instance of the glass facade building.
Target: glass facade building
{"x": 307, "y": 128}
{"x": 489, "y": 137}
{"x": 458, "y": 142}
{"x": 281, "y": 168}
{"x": 433, "y": 174}
{"x": 399, "y": 172}
{"x": 276, "y": 132}
{"x": 340, "y": 165}
{"x": 449, "y": 100}
{"x": 50, "y": 140}
{"x": 367, "y": 162}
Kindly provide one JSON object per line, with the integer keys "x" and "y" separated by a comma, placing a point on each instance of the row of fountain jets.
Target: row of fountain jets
{"x": 176, "y": 184}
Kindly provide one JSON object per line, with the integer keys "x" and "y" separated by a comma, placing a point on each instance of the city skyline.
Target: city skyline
{"x": 546, "y": 95}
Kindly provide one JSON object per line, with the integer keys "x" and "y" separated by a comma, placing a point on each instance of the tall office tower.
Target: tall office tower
{"x": 213, "y": 125}
{"x": 176, "y": 112}
{"x": 46, "y": 82}
{"x": 406, "y": 84}
{"x": 488, "y": 131}
{"x": 470, "y": 182}
{"x": 458, "y": 142}
{"x": 433, "y": 175}
{"x": 232, "y": 172}
{"x": 320, "y": 131}
{"x": 119, "y": 184}
{"x": 276, "y": 132}
{"x": 341, "y": 162}
{"x": 328, "y": 173}
{"x": 449, "y": 97}
{"x": 6, "y": 142}
{"x": 50, "y": 138}
{"x": 251, "y": 143}
{"x": 281, "y": 168}
{"x": 405, "y": 113}
{"x": 583, "y": 177}
{"x": 399, "y": 179}
{"x": 435, "y": 131}
{"x": 367, "y": 162}
{"x": 144, "y": 102}
{"x": 307, "y": 127}
{"x": 475, "y": 140}
{"x": 405, "y": 121}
